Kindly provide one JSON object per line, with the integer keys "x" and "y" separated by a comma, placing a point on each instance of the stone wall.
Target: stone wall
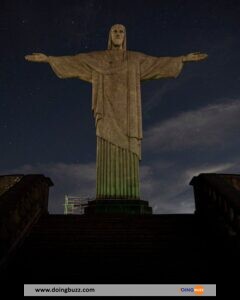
{"x": 7, "y": 181}
{"x": 24, "y": 199}
{"x": 217, "y": 199}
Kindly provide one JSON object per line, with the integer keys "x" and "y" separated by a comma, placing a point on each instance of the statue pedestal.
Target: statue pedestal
{"x": 118, "y": 206}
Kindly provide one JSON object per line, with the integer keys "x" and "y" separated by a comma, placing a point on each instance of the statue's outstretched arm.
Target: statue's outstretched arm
{"x": 196, "y": 56}
{"x": 68, "y": 66}
{"x": 166, "y": 67}
{"x": 37, "y": 57}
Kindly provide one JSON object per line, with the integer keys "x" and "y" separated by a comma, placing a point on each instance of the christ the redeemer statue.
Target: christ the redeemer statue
{"x": 115, "y": 75}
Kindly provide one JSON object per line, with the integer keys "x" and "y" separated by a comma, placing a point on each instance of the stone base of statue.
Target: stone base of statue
{"x": 118, "y": 206}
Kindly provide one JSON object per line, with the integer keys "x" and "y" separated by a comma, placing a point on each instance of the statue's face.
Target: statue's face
{"x": 117, "y": 35}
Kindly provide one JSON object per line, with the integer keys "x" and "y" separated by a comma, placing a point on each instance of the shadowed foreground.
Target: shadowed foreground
{"x": 147, "y": 249}
{"x": 94, "y": 248}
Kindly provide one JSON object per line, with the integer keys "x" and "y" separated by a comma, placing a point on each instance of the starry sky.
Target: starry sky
{"x": 191, "y": 124}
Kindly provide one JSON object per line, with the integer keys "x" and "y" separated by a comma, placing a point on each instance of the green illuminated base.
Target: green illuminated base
{"x": 118, "y": 206}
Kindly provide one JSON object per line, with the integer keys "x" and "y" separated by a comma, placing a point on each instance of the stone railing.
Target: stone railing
{"x": 23, "y": 199}
{"x": 218, "y": 196}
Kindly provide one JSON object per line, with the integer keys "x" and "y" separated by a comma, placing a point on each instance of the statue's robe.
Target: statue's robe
{"x": 116, "y": 103}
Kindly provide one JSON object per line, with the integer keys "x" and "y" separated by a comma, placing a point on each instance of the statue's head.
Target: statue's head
{"x": 117, "y": 37}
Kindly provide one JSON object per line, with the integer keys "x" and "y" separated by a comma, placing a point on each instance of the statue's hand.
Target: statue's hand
{"x": 196, "y": 56}
{"x": 37, "y": 57}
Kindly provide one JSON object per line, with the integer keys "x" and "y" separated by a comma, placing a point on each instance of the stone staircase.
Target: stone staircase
{"x": 123, "y": 249}
{"x": 39, "y": 248}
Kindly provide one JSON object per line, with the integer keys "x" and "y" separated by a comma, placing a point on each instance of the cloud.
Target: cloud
{"x": 164, "y": 184}
{"x": 208, "y": 169}
{"x": 68, "y": 179}
{"x": 198, "y": 141}
{"x": 211, "y": 126}
{"x": 168, "y": 188}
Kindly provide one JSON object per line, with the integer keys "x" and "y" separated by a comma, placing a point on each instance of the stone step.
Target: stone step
{"x": 76, "y": 219}
{"x": 118, "y": 249}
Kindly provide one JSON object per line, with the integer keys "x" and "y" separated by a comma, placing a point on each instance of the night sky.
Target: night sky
{"x": 191, "y": 124}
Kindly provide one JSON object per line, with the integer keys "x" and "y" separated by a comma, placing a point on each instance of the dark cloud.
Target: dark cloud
{"x": 164, "y": 184}
{"x": 211, "y": 126}
{"x": 68, "y": 179}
